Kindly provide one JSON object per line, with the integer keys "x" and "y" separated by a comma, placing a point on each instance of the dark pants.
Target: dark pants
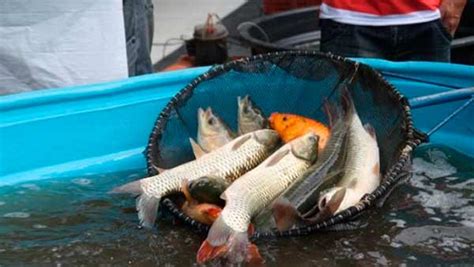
{"x": 138, "y": 18}
{"x": 427, "y": 41}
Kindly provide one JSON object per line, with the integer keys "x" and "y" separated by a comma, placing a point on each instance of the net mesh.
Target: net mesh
{"x": 288, "y": 82}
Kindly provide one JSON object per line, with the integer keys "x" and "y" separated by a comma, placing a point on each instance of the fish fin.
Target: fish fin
{"x": 208, "y": 252}
{"x": 221, "y": 241}
{"x": 238, "y": 143}
{"x": 275, "y": 158}
{"x": 347, "y": 102}
{"x": 253, "y": 255}
{"x": 335, "y": 201}
{"x": 285, "y": 214}
{"x": 133, "y": 188}
{"x": 198, "y": 151}
{"x": 329, "y": 207}
{"x": 331, "y": 113}
{"x": 370, "y": 130}
{"x": 212, "y": 211}
{"x": 147, "y": 207}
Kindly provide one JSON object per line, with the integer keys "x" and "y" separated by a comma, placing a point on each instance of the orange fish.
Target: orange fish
{"x": 202, "y": 212}
{"x": 291, "y": 126}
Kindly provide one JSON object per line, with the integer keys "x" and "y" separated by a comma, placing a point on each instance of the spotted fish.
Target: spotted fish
{"x": 361, "y": 169}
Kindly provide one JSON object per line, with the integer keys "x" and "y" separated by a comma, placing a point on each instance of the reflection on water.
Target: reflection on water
{"x": 74, "y": 221}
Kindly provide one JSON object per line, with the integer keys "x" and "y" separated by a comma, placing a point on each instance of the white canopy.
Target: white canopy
{"x": 57, "y": 43}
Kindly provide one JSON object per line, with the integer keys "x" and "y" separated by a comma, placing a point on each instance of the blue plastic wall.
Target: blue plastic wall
{"x": 104, "y": 128}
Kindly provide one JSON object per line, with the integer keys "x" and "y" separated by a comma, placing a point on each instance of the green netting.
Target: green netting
{"x": 290, "y": 82}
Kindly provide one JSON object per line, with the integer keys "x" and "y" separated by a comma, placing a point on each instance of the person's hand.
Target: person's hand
{"x": 451, "y": 11}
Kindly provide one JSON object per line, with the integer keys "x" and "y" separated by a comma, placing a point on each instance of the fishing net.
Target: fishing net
{"x": 289, "y": 82}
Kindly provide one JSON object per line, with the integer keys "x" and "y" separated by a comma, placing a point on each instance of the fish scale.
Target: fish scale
{"x": 227, "y": 164}
{"x": 255, "y": 190}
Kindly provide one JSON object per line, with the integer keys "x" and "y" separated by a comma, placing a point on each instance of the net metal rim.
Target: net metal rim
{"x": 393, "y": 176}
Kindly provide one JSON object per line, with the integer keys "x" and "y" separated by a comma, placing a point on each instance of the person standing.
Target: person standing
{"x": 399, "y": 30}
{"x": 139, "y": 26}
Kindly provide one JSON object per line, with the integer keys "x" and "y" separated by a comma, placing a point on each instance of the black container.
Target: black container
{"x": 209, "y": 47}
{"x": 292, "y": 30}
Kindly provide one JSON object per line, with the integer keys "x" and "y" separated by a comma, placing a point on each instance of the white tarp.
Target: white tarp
{"x": 57, "y": 43}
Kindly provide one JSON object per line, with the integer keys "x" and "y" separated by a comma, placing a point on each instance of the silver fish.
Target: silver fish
{"x": 298, "y": 199}
{"x": 250, "y": 118}
{"x": 252, "y": 192}
{"x": 228, "y": 162}
{"x": 213, "y": 133}
{"x": 361, "y": 169}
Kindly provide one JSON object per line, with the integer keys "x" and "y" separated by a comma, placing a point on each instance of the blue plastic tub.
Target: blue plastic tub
{"x": 104, "y": 128}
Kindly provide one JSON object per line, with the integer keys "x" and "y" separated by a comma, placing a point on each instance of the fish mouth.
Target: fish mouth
{"x": 208, "y": 113}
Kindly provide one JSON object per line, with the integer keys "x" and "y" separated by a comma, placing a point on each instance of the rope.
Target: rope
{"x": 450, "y": 116}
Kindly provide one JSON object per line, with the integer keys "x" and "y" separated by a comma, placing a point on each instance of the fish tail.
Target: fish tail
{"x": 147, "y": 206}
{"x": 223, "y": 241}
{"x": 285, "y": 214}
{"x": 253, "y": 255}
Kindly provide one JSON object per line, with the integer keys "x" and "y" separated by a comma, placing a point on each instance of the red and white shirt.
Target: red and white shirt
{"x": 380, "y": 12}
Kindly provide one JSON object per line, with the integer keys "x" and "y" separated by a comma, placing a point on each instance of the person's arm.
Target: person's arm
{"x": 451, "y": 11}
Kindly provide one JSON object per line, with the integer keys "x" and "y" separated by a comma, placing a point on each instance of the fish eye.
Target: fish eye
{"x": 211, "y": 121}
{"x": 285, "y": 118}
{"x": 245, "y": 109}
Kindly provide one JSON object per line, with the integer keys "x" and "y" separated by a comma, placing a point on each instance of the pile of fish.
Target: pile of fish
{"x": 285, "y": 172}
